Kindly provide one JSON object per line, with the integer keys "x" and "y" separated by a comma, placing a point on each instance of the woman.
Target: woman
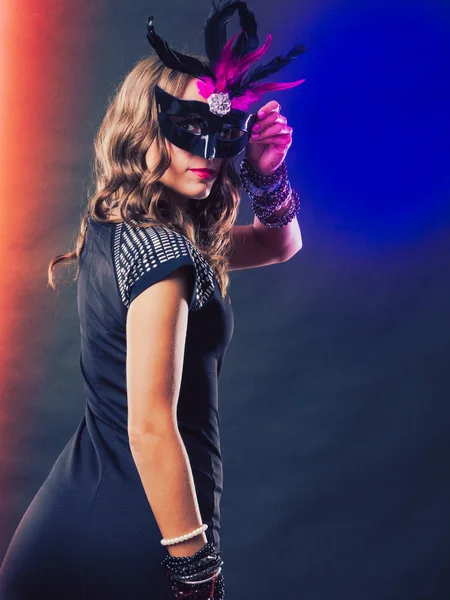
{"x": 155, "y": 247}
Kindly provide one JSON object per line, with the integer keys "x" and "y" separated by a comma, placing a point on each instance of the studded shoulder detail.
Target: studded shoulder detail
{"x": 144, "y": 256}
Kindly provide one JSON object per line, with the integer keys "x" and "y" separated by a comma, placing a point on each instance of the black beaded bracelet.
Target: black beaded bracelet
{"x": 272, "y": 221}
{"x": 273, "y": 201}
{"x": 210, "y": 590}
{"x": 182, "y": 563}
{"x": 265, "y": 203}
{"x": 187, "y": 572}
{"x": 263, "y": 182}
{"x": 267, "y": 198}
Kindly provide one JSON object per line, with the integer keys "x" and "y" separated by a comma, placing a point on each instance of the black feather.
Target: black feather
{"x": 173, "y": 59}
{"x": 255, "y": 74}
{"x": 215, "y": 30}
{"x": 248, "y": 40}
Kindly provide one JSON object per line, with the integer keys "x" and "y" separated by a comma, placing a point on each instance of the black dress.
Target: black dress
{"x": 89, "y": 533}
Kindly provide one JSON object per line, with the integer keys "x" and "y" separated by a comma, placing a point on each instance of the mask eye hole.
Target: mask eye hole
{"x": 191, "y": 124}
{"x": 230, "y": 134}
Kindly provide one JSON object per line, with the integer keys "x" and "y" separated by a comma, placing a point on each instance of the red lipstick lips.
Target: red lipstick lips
{"x": 204, "y": 173}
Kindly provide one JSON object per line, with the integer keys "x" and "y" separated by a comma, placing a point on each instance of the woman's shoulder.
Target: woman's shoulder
{"x": 155, "y": 237}
{"x": 153, "y": 243}
{"x": 148, "y": 253}
{"x": 133, "y": 234}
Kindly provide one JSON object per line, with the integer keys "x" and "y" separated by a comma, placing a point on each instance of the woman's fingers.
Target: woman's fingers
{"x": 278, "y": 130}
{"x": 272, "y": 117}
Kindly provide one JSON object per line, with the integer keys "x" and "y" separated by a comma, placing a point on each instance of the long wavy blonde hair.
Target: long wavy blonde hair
{"x": 123, "y": 181}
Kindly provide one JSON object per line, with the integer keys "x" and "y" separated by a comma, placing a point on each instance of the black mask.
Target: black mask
{"x": 190, "y": 125}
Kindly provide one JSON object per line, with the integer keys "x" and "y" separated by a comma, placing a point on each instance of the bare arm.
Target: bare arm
{"x": 249, "y": 249}
{"x": 156, "y": 335}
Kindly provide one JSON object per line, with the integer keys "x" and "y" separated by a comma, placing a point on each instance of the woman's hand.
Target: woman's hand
{"x": 270, "y": 140}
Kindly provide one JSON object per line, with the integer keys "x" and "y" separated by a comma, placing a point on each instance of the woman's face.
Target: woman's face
{"x": 183, "y": 183}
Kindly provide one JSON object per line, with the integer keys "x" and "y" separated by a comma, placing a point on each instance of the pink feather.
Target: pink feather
{"x": 206, "y": 88}
{"x": 228, "y": 70}
{"x": 254, "y": 93}
{"x": 225, "y": 67}
{"x": 245, "y": 62}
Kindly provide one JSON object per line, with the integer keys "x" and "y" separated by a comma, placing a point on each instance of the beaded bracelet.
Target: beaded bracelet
{"x": 265, "y": 203}
{"x": 280, "y": 220}
{"x": 267, "y": 192}
{"x": 186, "y": 536}
{"x": 272, "y": 202}
{"x": 263, "y": 183}
{"x": 198, "y": 576}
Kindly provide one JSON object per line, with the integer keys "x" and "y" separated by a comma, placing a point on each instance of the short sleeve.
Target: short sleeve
{"x": 143, "y": 256}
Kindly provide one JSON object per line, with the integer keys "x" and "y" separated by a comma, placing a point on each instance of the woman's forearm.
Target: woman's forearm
{"x": 166, "y": 475}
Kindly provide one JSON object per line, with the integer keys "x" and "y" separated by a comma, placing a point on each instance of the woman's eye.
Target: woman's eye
{"x": 190, "y": 125}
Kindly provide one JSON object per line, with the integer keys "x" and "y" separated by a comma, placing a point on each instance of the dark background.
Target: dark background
{"x": 334, "y": 395}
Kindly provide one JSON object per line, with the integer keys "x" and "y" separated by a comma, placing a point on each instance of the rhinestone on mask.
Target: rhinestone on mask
{"x": 219, "y": 103}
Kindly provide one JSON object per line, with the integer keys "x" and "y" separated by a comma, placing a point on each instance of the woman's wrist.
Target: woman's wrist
{"x": 281, "y": 211}
{"x": 274, "y": 202}
{"x": 188, "y": 547}
{"x": 196, "y": 577}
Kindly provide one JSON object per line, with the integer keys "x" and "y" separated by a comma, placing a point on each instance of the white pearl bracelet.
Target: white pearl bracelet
{"x": 183, "y": 538}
